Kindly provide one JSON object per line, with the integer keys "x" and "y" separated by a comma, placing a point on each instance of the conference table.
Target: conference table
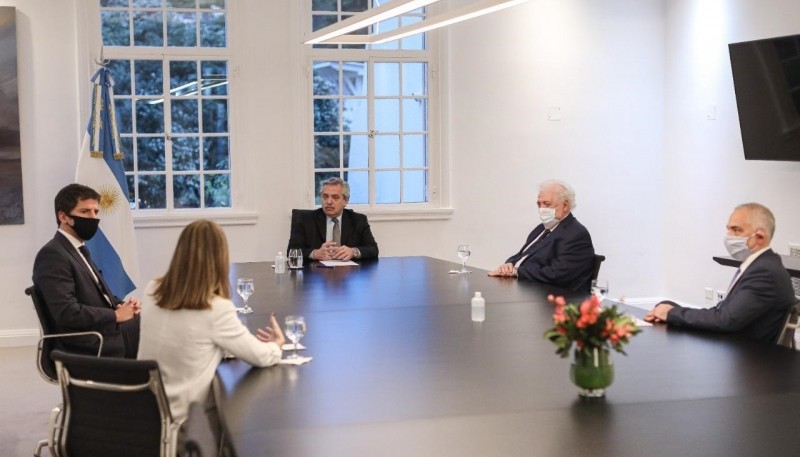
{"x": 399, "y": 368}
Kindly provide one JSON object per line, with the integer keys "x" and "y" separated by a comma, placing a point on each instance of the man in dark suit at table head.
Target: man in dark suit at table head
{"x": 558, "y": 251}
{"x": 76, "y": 295}
{"x": 760, "y": 293}
{"x": 333, "y": 232}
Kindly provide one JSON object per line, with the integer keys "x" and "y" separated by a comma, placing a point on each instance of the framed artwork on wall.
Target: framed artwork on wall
{"x": 11, "y": 208}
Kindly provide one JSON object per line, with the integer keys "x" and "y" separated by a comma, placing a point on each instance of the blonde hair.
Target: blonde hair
{"x": 198, "y": 270}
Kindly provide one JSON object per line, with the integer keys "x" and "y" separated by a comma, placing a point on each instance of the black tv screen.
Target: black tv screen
{"x": 766, "y": 78}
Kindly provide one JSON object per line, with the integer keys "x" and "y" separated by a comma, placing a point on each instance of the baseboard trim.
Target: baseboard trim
{"x": 18, "y": 338}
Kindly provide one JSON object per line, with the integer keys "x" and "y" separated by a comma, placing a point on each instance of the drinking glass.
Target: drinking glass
{"x": 463, "y": 254}
{"x": 245, "y": 288}
{"x": 600, "y": 288}
{"x": 295, "y": 259}
{"x": 295, "y": 329}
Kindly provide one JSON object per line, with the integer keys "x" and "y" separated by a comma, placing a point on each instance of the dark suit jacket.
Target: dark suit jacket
{"x": 756, "y": 306}
{"x": 74, "y": 300}
{"x": 565, "y": 258}
{"x": 309, "y": 227}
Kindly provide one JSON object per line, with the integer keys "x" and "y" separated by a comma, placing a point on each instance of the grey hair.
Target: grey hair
{"x": 760, "y": 217}
{"x": 334, "y": 181}
{"x": 563, "y": 191}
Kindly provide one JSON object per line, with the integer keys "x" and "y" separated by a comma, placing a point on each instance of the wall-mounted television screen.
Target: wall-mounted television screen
{"x": 766, "y": 78}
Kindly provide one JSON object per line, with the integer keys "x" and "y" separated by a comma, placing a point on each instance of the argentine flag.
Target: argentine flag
{"x": 100, "y": 167}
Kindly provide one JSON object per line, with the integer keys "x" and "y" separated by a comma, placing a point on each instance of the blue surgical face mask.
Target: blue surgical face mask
{"x": 737, "y": 247}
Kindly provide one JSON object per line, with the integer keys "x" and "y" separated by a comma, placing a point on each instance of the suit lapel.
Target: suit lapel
{"x": 71, "y": 251}
{"x": 322, "y": 222}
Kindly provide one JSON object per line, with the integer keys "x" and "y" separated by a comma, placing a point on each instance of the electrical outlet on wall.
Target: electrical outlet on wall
{"x": 719, "y": 296}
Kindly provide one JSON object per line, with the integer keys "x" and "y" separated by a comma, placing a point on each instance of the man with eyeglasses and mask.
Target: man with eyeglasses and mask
{"x": 760, "y": 293}
{"x": 76, "y": 295}
{"x": 558, "y": 251}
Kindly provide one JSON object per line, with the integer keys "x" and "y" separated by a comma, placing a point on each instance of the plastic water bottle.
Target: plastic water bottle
{"x": 478, "y": 308}
{"x": 280, "y": 263}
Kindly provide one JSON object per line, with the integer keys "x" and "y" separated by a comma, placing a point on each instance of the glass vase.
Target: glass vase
{"x": 592, "y": 371}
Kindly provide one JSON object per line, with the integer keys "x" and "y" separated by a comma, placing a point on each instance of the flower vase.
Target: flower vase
{"x": 592, "y": 371}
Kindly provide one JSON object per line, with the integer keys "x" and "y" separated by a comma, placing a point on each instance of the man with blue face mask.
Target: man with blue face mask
{"x": 760, "y": 293}
{"x": 558, "y": 251}
{"x": 77, "y": 297}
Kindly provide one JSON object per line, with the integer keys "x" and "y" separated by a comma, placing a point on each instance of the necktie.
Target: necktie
{"x": 103, "y": 286}
{"x": 337, "y": 231}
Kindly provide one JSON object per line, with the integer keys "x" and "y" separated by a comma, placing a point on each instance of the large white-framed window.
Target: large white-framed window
{"x": 374, "y": 113}
{"x": 171, "y": 61}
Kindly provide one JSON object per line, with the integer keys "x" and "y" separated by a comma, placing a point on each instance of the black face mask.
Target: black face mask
{"x": 85, "y": 227}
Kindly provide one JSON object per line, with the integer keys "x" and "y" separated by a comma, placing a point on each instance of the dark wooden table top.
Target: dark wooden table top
{"x": 400, "y": 369}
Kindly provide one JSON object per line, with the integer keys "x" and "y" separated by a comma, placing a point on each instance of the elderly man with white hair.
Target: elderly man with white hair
{"x": 760, "y": 293}
{"x": 558, "y": 251}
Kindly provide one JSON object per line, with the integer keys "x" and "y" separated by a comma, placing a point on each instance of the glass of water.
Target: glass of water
{"x": 295, "y": 330}
{"x": 245, "y": 288}
{"x": 295, "y": 259}
{"x": 463, "y": 254}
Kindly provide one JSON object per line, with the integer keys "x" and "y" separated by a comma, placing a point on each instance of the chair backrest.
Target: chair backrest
{"x": 112, "y": 407}
{"x": 790, "y": 324}
{"x": 598, "y": 260}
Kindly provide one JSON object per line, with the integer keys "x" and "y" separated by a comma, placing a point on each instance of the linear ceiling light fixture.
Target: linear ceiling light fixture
{"x": 442, "y": 20}
{"x": 367, "y": 18}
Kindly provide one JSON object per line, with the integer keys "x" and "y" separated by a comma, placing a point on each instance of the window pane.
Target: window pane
{"x": 218, "y": 191}
{"x": 322, "y": 176}
{"x": 354, "y": 76}
{"x": 383, "y": 27}
{"x": 149, "y": 77}
{"x": 387, "y": 151}
{"x": 212, "y": 4}
{"x": 326, "y": 151}
{"x": 214, "y": 77}
{"x": 183, "y": 78}
{"x": 150, "y": 152}
{"x": 126, "y": 143}
{"x": 181, "y": 29}
{"x": 216, "y": 155}
{"x": 212, "y": 30}
{"x": 326, "y": 115}
{"x": 124, "y": 115}
{"x": 356, "y": 152}
{"x": 414, "y": 149}
{"x": 121, "y": 73}
{"x": 414, "y": 186}
{"x": 387, "y": 115}
{"x": 152, "y": 191}
{"x": 148, "y": 28}
{"x": 180, "y": 3}
{"x": 354, "y": 5}
{"x": 186, "y": 153}
{"x": 414, "y": 112}
{"x": 413, "y": 42}
{"x": 149, "y": 117}
{"x": 186, "y": 191}
{"x": 215, "y": 116}
{"x": 116, "y": 28}
{"x": 113, "y": 3}
{"x": 319, "y": 21}
{"x": 387, "y": 79}
{"x": 354, "y": 115}
{"x": 326, "y": 78}
{"x": 146, "y": 3}
{"x": 131, "y": 190}
{"x": 323, "y": 5}
{"x": 359, "y": 186}
{"x": 414, "y": 79}
{"x": 184, "y": 116}
{"x": 387, "y": 187}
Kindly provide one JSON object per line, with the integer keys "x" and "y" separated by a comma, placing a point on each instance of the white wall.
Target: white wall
{"x": 655, "y": 181}
{"x": 705, "y": 172}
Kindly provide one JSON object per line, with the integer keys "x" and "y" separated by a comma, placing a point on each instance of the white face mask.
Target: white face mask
{"x": 737, "y": 247}
{"x": 548, "y": 217}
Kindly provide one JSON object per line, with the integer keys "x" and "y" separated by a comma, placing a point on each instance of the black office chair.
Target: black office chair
{"x": 112, "y": 407}
{"x": 598, "y": 260}
{"x": 791, "y": 324}
{"x": 49, "y": 341}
